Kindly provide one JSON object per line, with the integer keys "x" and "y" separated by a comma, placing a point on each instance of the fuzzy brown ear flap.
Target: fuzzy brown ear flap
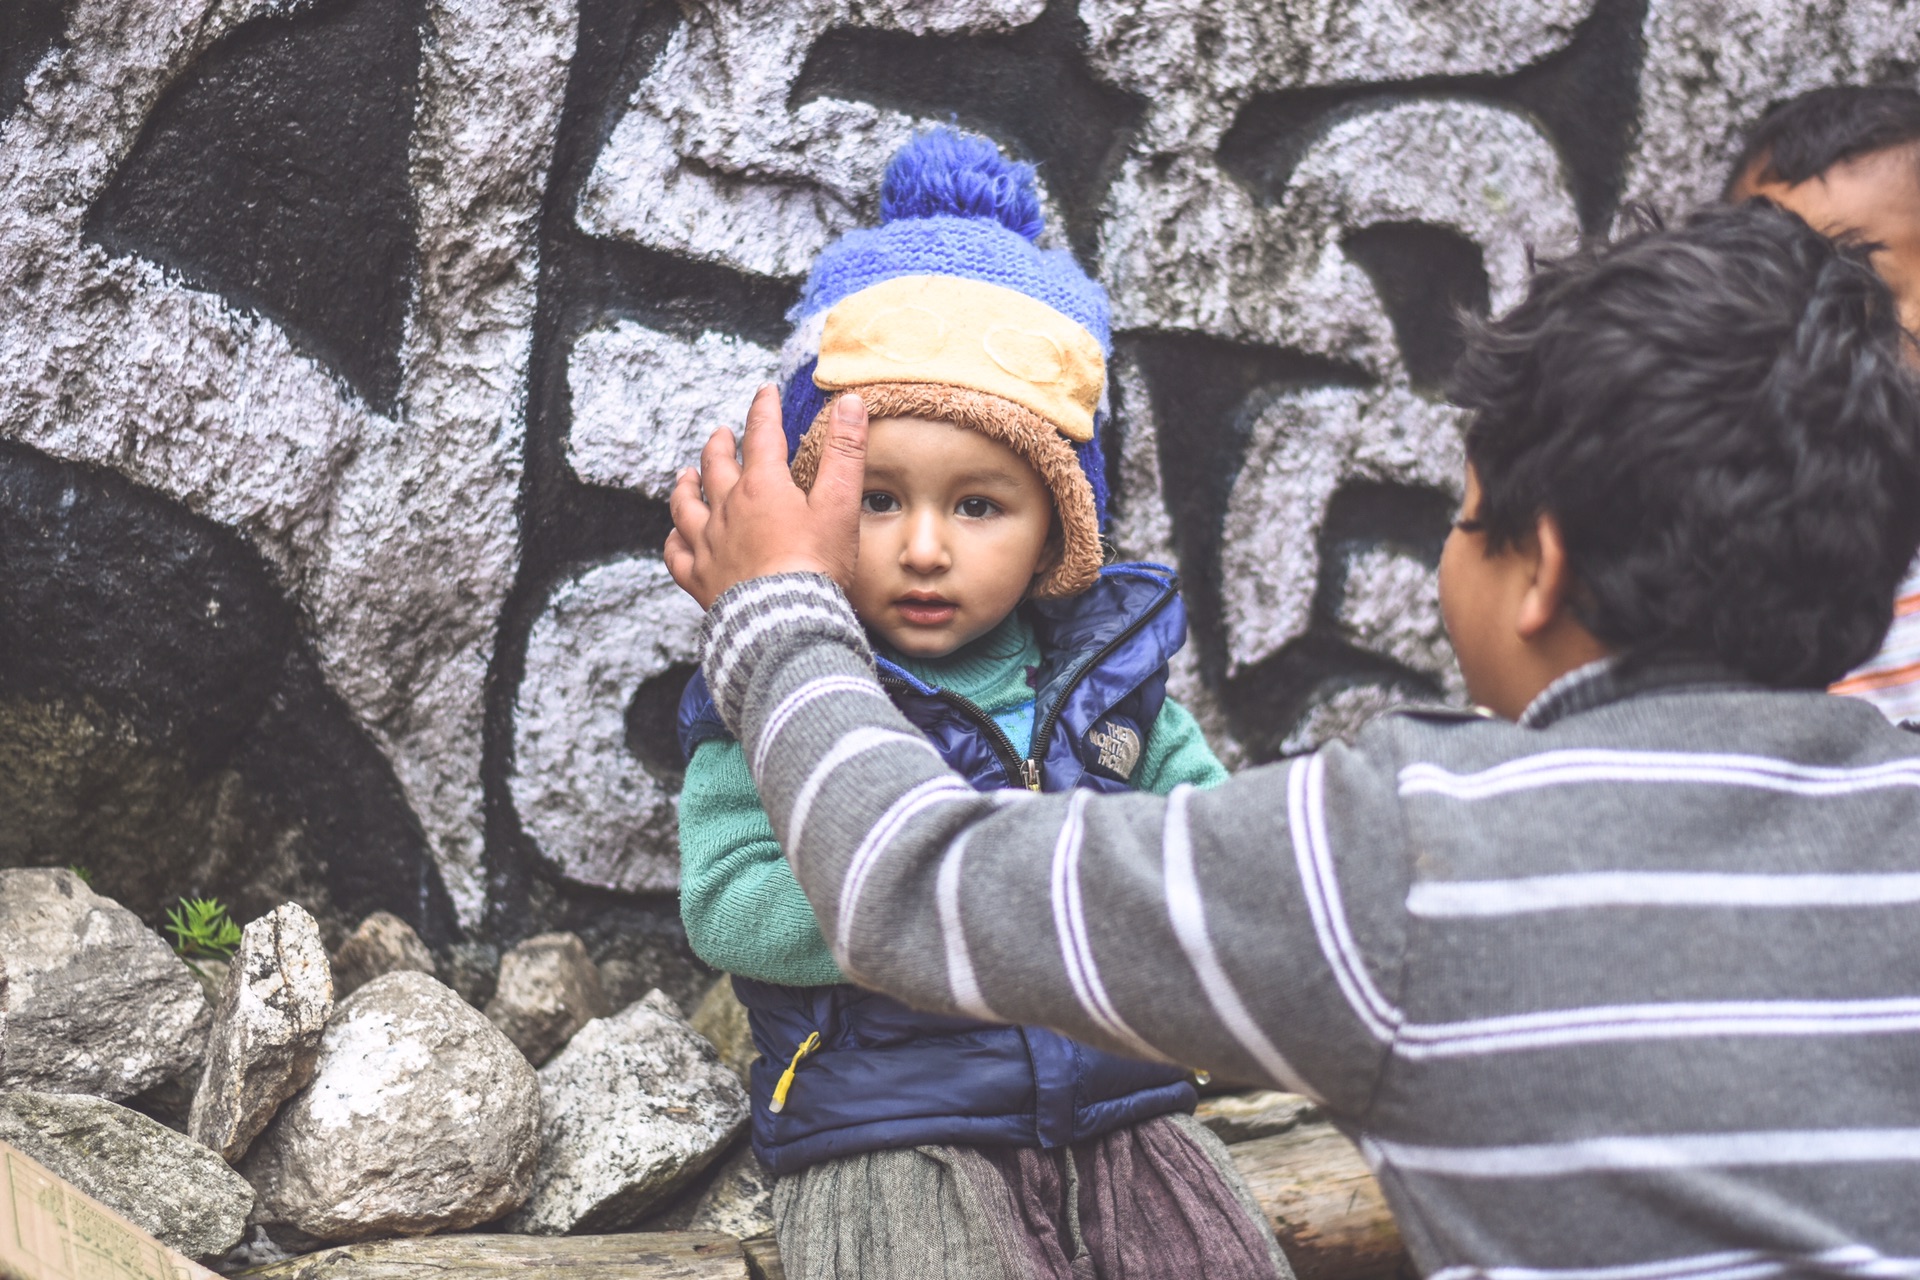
{"x": 1017, "y": 427}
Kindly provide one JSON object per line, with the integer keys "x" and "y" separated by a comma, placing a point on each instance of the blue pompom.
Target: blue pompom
{"x": 944, "y": 171}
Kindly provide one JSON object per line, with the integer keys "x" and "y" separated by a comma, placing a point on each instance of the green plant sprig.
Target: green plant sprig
{"x": 201, "y": 927}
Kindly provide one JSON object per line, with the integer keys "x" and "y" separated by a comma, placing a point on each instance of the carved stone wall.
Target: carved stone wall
{"x": 348, "y": 347}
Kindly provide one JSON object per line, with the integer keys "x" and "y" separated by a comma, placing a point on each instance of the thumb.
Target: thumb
{"x": 842, "y": 474}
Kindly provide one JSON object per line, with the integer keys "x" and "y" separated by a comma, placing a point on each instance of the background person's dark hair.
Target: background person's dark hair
{"x": 1719, "y": 418}
{"x": 1805, "y": 136}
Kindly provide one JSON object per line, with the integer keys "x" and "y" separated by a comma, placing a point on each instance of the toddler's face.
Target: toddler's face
{"x": 954, "y": 527}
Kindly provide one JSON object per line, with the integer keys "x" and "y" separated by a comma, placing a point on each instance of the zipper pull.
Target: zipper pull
{"x": 807, "y": 1046}
{"x": 1030, "y": 774}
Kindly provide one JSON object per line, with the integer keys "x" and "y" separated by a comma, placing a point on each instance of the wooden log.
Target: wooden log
{"x": 641, "y": 1255}
{"x": 52, "y": 1230}
{"x": 1323, "y": 1203}
{"x": 763, "y": 1258}
{"x": 1260, "y": 1113}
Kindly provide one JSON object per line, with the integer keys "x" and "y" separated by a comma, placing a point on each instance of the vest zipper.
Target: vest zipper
{"x": 996, "y": 736}
{"x": 1028, "y": 770}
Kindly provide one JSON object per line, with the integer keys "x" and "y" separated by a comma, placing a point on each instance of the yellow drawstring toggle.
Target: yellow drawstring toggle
{"x": 807, "y": 1046}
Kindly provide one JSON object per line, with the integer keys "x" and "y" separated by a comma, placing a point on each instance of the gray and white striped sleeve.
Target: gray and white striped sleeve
{"x": 1211, "y": 928}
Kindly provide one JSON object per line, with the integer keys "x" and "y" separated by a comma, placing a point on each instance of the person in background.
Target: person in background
{"x": 1847, "y": 159}
{"x": 1618, "y": 983}
{"x": 931, "y": 1145}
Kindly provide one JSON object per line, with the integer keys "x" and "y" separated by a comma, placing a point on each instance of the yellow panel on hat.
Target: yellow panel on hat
{"x": 966, "y": 333}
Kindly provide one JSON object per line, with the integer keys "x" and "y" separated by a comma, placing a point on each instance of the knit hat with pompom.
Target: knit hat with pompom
{"x": 949, "y": 310}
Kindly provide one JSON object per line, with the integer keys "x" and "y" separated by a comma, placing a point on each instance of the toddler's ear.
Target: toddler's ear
{"x": 1051, "y": 553}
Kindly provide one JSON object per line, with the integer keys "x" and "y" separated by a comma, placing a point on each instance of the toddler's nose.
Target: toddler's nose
{"x": 926, "y": 548}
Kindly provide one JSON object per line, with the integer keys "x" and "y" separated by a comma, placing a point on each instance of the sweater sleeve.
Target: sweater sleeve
{"x": 1177, "y": 753}
{"x": 1223, "y": 929}
{"x": 743, "y": 910}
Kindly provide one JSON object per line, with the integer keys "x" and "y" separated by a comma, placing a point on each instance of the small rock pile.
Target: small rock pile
{"x": 397, "y": 1109}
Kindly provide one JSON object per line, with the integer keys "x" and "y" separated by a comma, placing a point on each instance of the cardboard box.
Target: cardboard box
{"x": 51, "y": 1230}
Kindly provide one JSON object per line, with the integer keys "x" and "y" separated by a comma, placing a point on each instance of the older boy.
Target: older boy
{"x": 1620, "y": 984}
{"x": 1847, "y": 159}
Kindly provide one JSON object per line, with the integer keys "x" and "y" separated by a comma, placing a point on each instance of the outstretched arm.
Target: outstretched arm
{"x": 1206, "y": 927}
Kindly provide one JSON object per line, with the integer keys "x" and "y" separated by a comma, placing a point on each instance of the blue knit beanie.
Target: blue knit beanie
{"x": 958, "y": 222}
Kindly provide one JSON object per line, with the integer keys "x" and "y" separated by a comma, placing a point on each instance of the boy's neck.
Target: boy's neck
{"x": 982, "y": 664}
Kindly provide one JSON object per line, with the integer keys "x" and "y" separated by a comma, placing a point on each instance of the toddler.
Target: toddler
{"x": 913, "y": 1144}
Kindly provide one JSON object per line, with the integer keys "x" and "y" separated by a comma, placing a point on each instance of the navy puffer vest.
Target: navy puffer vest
{"x": 886, "y": 1076}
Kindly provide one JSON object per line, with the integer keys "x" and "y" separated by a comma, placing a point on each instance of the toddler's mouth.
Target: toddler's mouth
{"x": 926, "y": 610}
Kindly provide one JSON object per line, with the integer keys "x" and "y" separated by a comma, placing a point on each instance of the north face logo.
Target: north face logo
{"x": 1119, "y": 748}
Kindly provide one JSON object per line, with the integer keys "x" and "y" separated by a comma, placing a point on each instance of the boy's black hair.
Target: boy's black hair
{"x": 1803, "y": 137}
{"x": 1720, "y": 419}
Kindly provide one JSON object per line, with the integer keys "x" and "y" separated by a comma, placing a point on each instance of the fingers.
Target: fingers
{"x": 718, "y": 471}
{"x": 765, "y": 445}
{"x": 679, "y": 558}
{"x": 843, "y": 462}
{"x": 690, "y": 512}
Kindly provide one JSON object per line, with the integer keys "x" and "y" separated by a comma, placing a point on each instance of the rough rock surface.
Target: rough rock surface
{"x": 472, "y": 969}
{"x": 1711, "y": 68}
{"x": 548, "y": 989}
{"x": 722, "y": 1019}
{"x": 399, "y": 534}
{"x": 714, "y": 160}
{"x": 1235, "y": 159}
{"x": 740, "y": 1200}
{"x": 635, "y": 1106}
{"x": 598, "y": 814}
{"x": 644, "y": 402}
{"x": 383, "y": 943}
{"x": 266, "y": 1030}
{"x": 645, "y": 946}
{"x": 211, "y": 974}
{"x": 169, "y": 1185}
{"x": 421, "y": 1117}
{"x": 92, "y": 1000}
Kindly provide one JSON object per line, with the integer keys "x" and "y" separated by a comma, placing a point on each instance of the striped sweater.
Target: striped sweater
{"x": 1628, "y": 990}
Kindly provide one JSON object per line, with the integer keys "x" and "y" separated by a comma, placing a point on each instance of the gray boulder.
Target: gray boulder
{"x": 548, "y": 989}
{"x": 739, "y": 1203}
{"x": 384, "y": 943}
{"x": 634, "y": 1107}
{"x": 94, "y": 1002}
{"x": 168, "y": 1185}
{"x": 472, "y": 969}
{"x": 721, "y": 1018}
{"x": 421, "y": 1117}
{"x": 266, "y": 1030}
{"x": 211, "y": 974}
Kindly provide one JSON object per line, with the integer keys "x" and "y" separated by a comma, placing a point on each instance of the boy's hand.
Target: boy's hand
{"x": 754, "y": 521}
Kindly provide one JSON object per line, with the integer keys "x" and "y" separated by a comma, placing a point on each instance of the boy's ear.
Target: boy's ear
{"x": 1051, "y": 553}
{"x": 1551, "y": 584}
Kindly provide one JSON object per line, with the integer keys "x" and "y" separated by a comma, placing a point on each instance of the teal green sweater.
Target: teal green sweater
{"x": 744, "y": 911}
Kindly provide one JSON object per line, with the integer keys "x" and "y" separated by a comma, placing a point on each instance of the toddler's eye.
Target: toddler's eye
{"x": 977, "y": 508}
{"x": 878, "y": 504}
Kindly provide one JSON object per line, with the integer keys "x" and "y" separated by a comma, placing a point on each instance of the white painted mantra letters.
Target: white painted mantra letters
{"x": 744, "y": 144}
